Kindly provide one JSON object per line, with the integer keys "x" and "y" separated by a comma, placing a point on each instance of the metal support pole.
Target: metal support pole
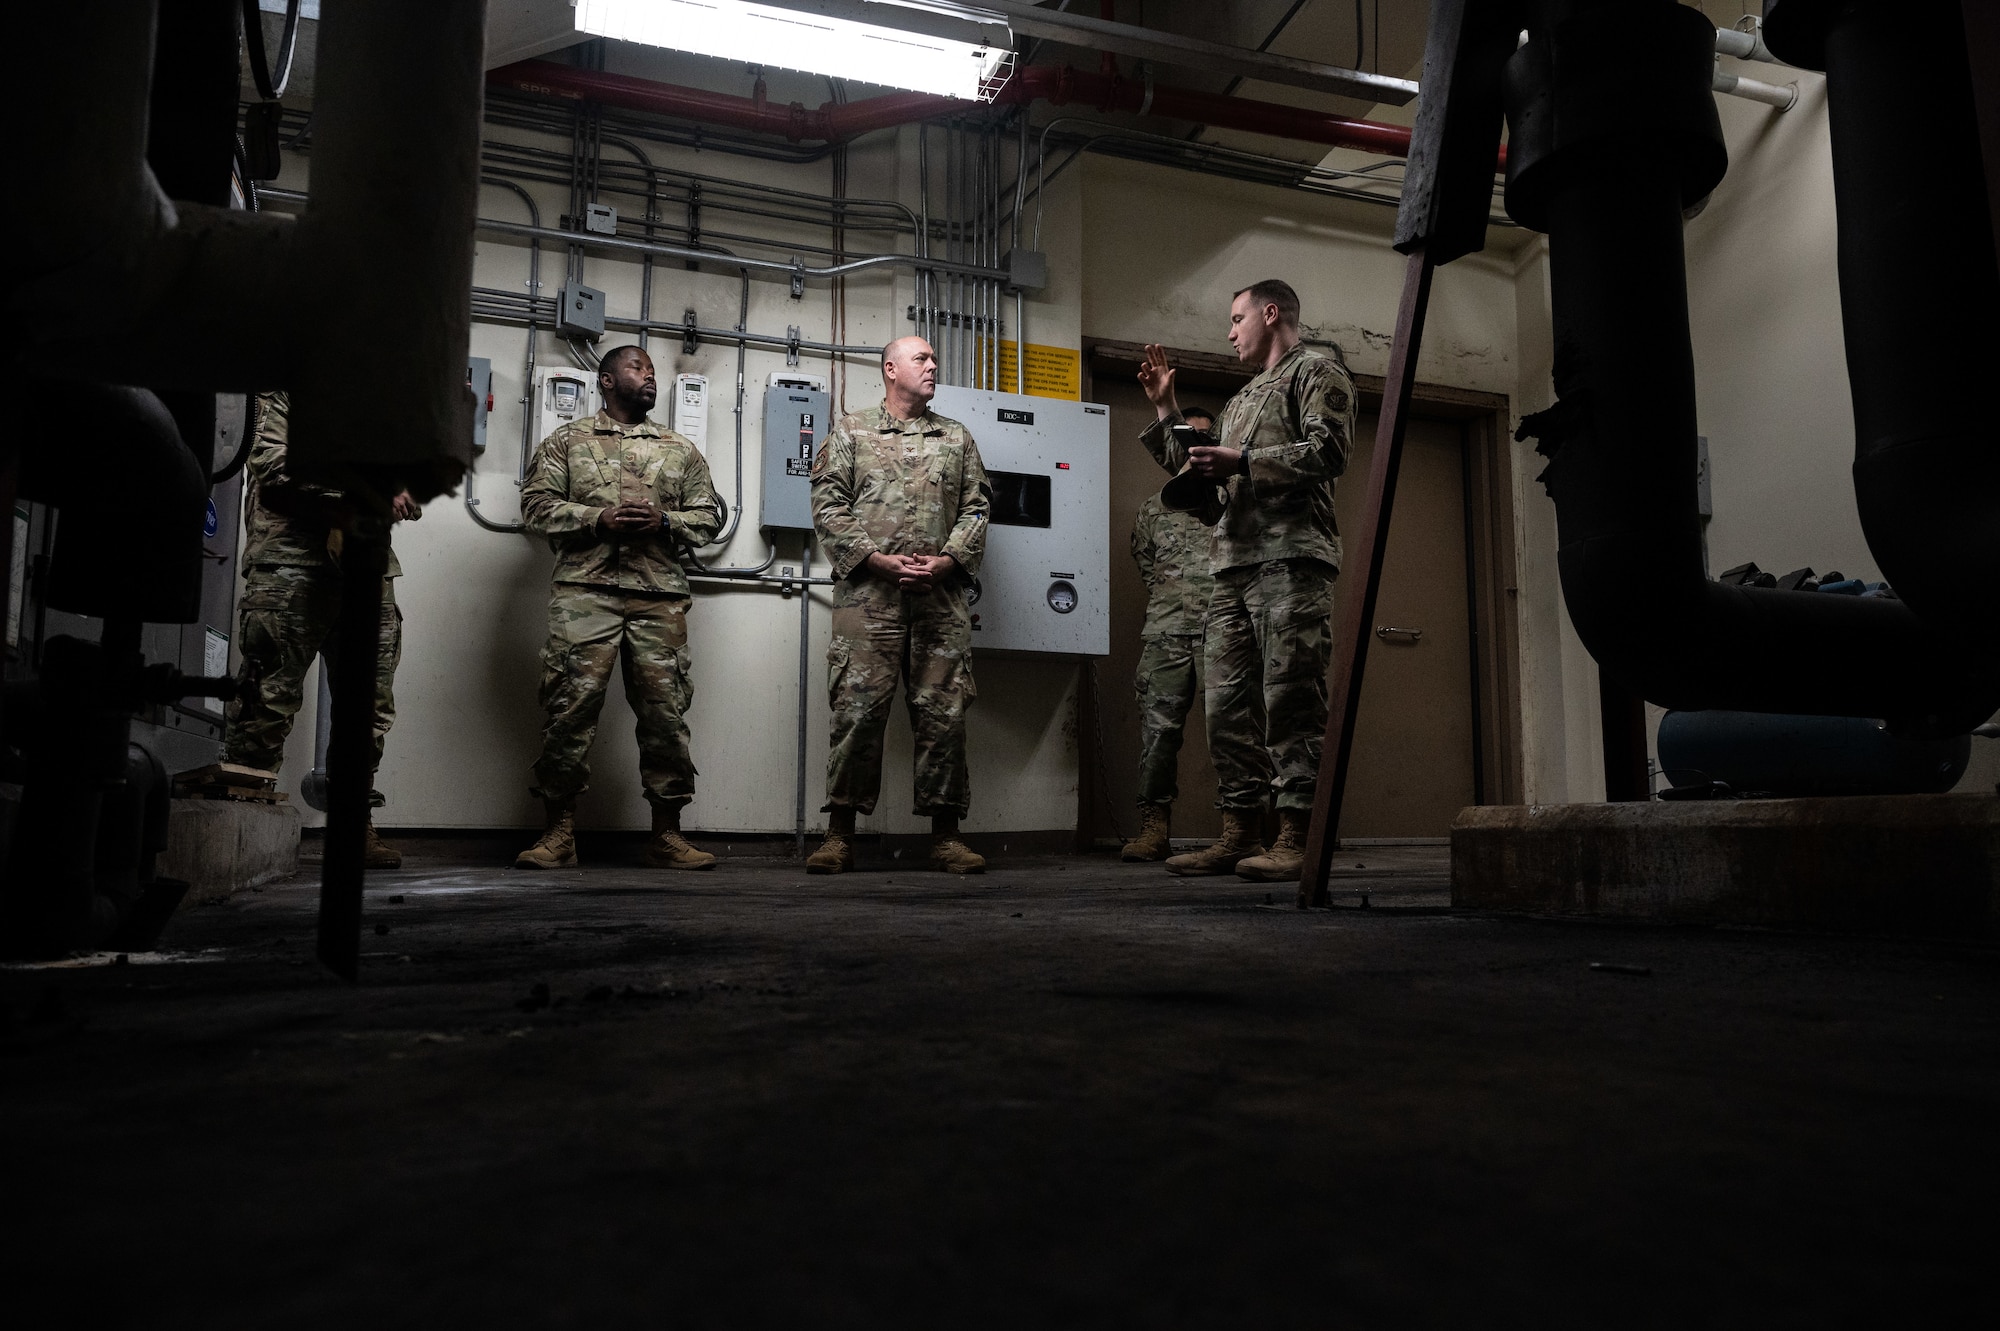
{"x": 364, "y": 559}
{"x": 805, "y": 668}
{"x": 1357, "y": 612}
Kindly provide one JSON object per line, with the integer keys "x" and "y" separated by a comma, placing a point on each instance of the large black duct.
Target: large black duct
{"x": 1614, "y": 135}
{"x": 1919, "y": 293}
{"x": 128, "y": 541}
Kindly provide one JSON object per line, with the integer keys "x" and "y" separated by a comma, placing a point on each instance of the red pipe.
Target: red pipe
{"x": 1057, "y": 84}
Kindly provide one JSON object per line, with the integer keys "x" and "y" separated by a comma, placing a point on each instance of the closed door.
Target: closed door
{"x": 1413, "y": 750}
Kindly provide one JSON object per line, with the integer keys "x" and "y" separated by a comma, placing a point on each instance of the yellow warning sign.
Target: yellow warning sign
{"x": 1052, "y": 371}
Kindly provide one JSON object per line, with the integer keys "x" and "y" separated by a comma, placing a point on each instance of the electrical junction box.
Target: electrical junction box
{"x": 601, "y": 218}
{"x": 1027, "y": 270}
{"x": 796, "y": 412}
{"x": 688, "y": 412}
{"x": 479, "y": 382}
{"x": 1045, "y": 584}
{"x": 580, "y": 311}
{"x": 562, "y": 396}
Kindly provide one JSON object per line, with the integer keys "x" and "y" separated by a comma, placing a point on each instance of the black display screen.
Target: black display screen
{"x": 1020, "y": 499}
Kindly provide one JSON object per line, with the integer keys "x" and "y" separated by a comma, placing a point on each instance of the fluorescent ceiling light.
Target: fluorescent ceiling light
{"x": 904, "y": 50}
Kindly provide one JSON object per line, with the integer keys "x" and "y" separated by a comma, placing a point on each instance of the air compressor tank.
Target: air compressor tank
{"x": 1756, "y": 753}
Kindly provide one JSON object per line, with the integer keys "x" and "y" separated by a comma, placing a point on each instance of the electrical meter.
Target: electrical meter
{"x": 561, "y": 396}
{"x": 689, "y": 409}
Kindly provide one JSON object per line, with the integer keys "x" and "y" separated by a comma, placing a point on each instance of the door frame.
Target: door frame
{"x": 1485, "y": 422}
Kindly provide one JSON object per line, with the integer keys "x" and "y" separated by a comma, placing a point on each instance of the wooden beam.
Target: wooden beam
{"x": 1364, "y": 567}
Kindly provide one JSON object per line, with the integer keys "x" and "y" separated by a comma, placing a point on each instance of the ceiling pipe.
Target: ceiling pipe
{"x": 1060, "y": 85}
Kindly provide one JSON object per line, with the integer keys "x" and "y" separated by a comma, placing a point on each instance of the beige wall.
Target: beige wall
{"x": 468, "y": 724}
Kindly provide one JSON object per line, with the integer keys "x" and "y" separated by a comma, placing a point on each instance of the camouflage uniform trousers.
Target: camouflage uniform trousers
{"x": 1167, "y": 684}
{"x": 590, "y": 629}
{"x": 1270, "y": 640}
{"x": 289, "y": 614}
{"x": 882, "y": 635}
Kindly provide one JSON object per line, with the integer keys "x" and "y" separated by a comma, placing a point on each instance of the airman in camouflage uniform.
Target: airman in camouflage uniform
{"x": 900, "y": 500}
{"x": 617, "y": 496}
{"x": 1283, "y": 440}
{"x": 1171, "y": 550}
{"x": 291, "y": 606}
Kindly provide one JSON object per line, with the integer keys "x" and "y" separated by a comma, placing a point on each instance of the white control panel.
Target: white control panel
{"x": 1045, "y": 585}
{"x": 688, "y": 411}
{"x": 561, "y": 396}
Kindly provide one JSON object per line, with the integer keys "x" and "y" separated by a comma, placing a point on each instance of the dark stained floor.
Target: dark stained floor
{"x": 1070, "y": 1093}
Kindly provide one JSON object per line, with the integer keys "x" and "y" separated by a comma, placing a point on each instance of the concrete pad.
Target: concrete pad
{"x": 1893, "y": 864}
{"x": 223, "y": 846}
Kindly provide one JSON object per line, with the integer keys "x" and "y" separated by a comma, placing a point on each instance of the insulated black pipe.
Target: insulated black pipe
{"x": 1920, "y": 307}
{"x": 1608, "y": 176}
{"x": 147, "y": 498}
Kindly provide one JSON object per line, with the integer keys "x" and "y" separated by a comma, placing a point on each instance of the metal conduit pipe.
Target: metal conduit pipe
{"x": 502, "y": 306}
{"x": 617, "y": 244}
{"x": 1606, "y": 174}
{"x": 805, "y": 684}
{"x": 735, "y": 516}
{"x": 1014, "y": 239}
{"x": 1919, "y": 283}
{"x": 527, "y": 390}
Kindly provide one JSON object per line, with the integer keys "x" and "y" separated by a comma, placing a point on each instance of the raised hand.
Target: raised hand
{"x": 1156, "y": 378}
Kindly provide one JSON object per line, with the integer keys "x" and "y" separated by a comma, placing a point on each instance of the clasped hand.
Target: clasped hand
{"x": 914, "y": 573}
{"x": 631, "y": 517}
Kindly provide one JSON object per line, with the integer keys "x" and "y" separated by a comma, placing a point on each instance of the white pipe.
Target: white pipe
{"x": 1745, "y": 43}
{"x": 1771, "y": 94}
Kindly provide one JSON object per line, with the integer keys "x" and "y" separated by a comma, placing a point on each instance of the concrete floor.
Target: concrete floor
{"x": 1070, "y": 1093}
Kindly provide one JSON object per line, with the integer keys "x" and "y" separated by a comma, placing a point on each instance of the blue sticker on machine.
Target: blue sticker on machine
{"x": 211, "y": 521}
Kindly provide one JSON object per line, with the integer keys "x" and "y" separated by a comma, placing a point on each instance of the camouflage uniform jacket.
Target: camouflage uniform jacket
{"x": 588, "y": 466}
{"x": 272, "y": 538}
{"x": 885, "y": 486}
{"x": 1171, "y": 550}
{"x": 1295, "y": 422}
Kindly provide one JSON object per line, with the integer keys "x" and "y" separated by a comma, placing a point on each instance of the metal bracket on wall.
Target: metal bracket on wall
{"x": 798, "y": 278}
{"x": 690, "y": 334}
{"x": 792, "y": 344}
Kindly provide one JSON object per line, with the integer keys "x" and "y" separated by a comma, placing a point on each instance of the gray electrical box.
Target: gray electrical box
{"x": 479, "y": 381}
{"x": 795, "y": 422}
{"x": 580, "y": 311}
{"x": 1027, "y": 270}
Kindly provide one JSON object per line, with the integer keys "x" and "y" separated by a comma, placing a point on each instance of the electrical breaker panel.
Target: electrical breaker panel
{"x": 1045, "y": 584}
{"x": 689, "y": 409}
{"x": 796, "y": 411}
{"x": 479, "y": 382}
{"x": 561, "y": 396}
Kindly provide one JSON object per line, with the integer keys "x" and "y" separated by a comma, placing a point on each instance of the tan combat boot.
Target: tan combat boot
{"x": 557, "y": 848}
{"x": 1237, "y": 843}
{"x": 836, "y": 853}
{"x": 1151, "y": 843}
{"x": 948, "y": 853}
{"x": 668, "y": 848}
{"x": 1287, "y": 856}
{"x": 375, "y": 855}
